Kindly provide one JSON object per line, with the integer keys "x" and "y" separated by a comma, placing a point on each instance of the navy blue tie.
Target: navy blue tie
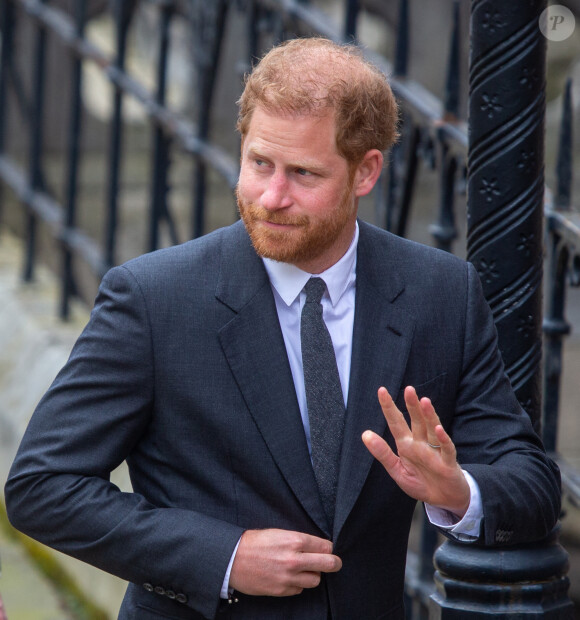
{"x": 324, "y": 397}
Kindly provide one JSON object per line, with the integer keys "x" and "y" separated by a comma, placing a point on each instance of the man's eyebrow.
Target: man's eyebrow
{"x": 254, "y": 152}
{"x": 309, "y": 165}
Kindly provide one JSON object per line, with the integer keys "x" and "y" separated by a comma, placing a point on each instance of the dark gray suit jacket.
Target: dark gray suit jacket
{"x": 182, "y": 371}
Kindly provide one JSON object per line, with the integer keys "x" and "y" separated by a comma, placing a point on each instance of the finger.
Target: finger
{"x": 418, "y": 426}
{"x": 380, "y": 449}
{"x": 320, "y": 563}
{"x": 315, "y": 544}
{"x": 436, "y": 434}
{"x": 448, "y": 451}
{"x": 397, "y": 423}
{"x": 309, "y": 577}
{"x": 308, "y": 580}
{"x": 431, "y": 420}
{"x": 315, "y": 555}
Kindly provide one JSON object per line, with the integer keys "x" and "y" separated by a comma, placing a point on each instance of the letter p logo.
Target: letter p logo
{"x": 557, "y": 23}
{"x": 557, "y": 20}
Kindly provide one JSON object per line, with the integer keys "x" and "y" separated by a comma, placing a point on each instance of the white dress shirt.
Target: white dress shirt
{"x": 338, "y": 303}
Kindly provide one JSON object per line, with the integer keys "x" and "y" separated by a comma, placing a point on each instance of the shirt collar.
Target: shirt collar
{"x": 289, "y": 280}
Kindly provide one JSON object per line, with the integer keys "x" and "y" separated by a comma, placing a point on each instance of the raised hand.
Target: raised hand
{"x": 425, "y": 466}
{"x": 280, "y": 562}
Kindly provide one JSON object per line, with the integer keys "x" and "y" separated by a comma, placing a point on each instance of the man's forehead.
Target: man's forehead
{"x": 266, "y": 122}
{"x": 291, "y": 112}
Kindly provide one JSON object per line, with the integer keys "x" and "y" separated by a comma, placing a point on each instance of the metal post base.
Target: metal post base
{"x": 516, "y": 582}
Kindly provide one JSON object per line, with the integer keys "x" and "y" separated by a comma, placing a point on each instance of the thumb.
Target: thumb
{"x": 380, "y": 449}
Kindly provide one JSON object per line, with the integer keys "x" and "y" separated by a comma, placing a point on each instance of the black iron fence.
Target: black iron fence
{"x": 79, "y": 214}
{"x": 563, "y": 251}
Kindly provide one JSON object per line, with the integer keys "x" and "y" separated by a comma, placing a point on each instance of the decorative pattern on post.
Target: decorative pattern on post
{"x": 505, "y": 234}
{"x": 506, "y": 181}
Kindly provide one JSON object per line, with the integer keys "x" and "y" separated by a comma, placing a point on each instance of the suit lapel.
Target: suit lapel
{"x": 383, "y": 329}
{"x": 254, "y": 348}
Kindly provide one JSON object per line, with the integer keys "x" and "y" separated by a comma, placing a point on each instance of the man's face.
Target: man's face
{"x": 295, "y": 193}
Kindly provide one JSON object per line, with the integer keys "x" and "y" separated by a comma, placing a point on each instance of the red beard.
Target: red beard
{"x": 305, "y": 240}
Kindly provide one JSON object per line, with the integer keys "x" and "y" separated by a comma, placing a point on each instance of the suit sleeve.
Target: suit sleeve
{"x": 495, "y": 441}
{"x": 90, "y": 421}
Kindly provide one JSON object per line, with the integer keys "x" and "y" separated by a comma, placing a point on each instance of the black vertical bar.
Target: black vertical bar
{"x": 402, "y": 44}
{"x": 36, "y": 143}
{"x": 402, "y": 171}
{"x": 393, "y": 187}
{"x": 350, "y": 19}
{"x": 7, "y": 27}
{"x": 160, "y": 141}
{"x": 18, "y": 88}
{"x": 122, "y": 14}
{"x": 555, "y": 324}
{"x": 445, "y": 231}
{"x": 565, "y": 153}
{"x": 452, "y": 81}
{"x": 73, "y": 161}
{"x": 555, "y": 328}
{"x": 207, "y": 78}
{"x": 408, "y": 186}
{"x": 254, "y": 15}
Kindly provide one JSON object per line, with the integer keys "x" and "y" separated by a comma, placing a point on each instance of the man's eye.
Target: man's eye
{"x": 303, "y": 172}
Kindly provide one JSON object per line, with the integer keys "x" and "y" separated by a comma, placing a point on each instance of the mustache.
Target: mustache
{"x": 257, "y": 213}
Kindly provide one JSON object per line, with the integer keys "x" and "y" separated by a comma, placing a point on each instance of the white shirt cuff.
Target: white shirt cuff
{"x": 467, "y": 528}
{"x": 225, "y": 591}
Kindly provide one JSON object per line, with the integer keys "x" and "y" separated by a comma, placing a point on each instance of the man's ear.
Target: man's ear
{"x": 368, "y": 172}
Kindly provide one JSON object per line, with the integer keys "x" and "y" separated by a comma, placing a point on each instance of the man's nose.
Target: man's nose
{"x": 276, "y": 195}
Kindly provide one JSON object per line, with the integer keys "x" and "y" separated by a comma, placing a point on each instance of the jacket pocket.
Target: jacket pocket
{"x": 395, "y": 613}
{"x": 432, "y": 389}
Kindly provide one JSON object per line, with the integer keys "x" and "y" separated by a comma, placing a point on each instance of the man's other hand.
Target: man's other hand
{"x": 281, "y": 563}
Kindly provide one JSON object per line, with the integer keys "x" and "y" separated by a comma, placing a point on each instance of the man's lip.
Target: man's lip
{"x": 276, "y": 224}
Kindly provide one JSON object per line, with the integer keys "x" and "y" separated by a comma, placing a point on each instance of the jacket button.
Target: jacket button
{"x": 148, "y": 587}
{"x": 159, "y": 590}
{"x": 170, "y": 594}
{"x": 181, "y": 598}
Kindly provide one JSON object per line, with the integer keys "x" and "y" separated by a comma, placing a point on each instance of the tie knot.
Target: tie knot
{"x": 314, "y": 290}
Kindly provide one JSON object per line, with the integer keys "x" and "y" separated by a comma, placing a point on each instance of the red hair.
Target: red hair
{"x": 315, "y": 76}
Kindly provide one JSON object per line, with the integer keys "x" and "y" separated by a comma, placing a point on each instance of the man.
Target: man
{"x": 197, "y": 368}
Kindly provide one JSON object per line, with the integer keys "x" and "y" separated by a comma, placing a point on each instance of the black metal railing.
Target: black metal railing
{"x": 434, "y": 137}
{"x": 563, "y": 271}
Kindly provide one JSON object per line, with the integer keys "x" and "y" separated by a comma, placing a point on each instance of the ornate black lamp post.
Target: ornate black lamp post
{"x": 505, "y": 234}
